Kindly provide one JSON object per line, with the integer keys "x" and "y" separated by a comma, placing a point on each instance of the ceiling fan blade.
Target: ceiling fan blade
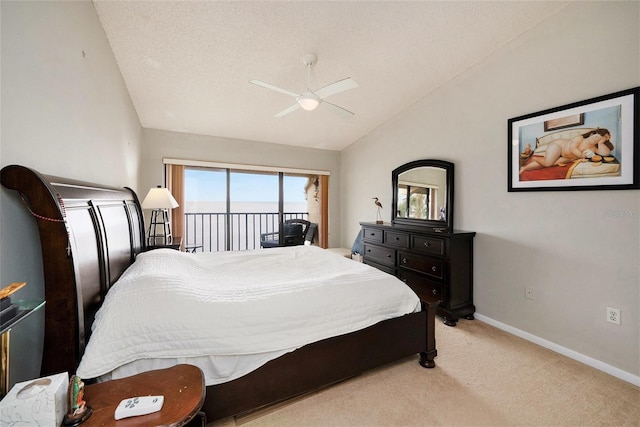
{"x": 338, "y": 110}
{"x": 336, "y": 87}
{"x": 272, "y": 87}
{"x": 289, "y": 110}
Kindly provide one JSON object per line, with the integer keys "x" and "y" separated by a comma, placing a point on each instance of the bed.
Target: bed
{"x": 92, "y": 239}
{"x": 606, "y": 166}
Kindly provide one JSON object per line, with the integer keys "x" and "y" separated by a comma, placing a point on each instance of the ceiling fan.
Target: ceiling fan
{"x": 309, "y": 100}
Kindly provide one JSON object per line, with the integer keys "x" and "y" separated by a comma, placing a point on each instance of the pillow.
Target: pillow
{"x": 357, "y": 244}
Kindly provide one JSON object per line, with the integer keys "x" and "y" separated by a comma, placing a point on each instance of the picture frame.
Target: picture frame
{"x": 587, "y": 145}
{"x": 564, "y": 122}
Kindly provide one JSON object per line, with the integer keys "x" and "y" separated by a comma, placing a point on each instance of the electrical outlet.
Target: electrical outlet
{"x": 613, "y": 315}
{"x": 529, "y": 293}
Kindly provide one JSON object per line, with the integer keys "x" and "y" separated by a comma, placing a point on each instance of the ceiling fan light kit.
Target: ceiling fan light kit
{"x": 310, "y": 100}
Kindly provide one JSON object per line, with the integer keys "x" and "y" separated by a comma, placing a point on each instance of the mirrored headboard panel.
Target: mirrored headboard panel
{"x": 423, "y": 194}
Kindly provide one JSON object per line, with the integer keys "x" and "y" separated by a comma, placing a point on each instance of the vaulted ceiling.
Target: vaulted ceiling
{"x": 188, "y": 64}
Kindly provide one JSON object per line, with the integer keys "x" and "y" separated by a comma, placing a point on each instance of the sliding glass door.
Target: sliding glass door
{"x": 253, "y": 207}
{"x": 228, "y": 209}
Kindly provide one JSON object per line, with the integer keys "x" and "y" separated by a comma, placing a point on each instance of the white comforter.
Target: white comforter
{"x": 173, "y": 305}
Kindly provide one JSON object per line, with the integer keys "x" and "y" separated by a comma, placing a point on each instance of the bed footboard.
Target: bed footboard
{"x": 326, "y": 362}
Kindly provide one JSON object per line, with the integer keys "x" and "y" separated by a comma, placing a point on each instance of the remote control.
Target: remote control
{"x": 141, "y": 405}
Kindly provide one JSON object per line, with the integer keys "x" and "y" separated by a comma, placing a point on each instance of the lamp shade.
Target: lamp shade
{"x": 159, "y": 198}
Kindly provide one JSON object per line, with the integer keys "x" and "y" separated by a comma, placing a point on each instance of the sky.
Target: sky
{"x": 204, "y": 185}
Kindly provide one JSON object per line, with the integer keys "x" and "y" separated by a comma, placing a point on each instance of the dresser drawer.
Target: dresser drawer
{"x": 398, "y": 240}
{"x": 372, "y": 235}
{"x": 387, "y": 269}
{"x": 430, "y": 245}
{"x": 380, "y": 255}
{"x": 423, "y": 264}
{"x": 424, "y": 288}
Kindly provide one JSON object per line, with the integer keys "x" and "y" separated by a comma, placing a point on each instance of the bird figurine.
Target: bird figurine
{"x": 379, "y": 207}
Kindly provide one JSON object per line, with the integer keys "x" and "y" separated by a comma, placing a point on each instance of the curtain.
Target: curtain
{"x": 323, "y": 227}
{"x": 175, "y": 185}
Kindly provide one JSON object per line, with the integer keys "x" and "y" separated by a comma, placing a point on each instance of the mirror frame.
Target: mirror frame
{"x": 437, "y": 226}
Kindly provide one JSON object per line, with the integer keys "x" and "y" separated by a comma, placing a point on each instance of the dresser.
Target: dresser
{"x": 437, "y": 266}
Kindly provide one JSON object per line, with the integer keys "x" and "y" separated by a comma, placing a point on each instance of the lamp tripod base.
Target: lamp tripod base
{"x": 159, "y": 228}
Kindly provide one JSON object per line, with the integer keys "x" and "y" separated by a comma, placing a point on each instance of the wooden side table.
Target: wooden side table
{"x": 176, "y": 243}
{"x": 193, "y": 248}
{"x": 182, "y": 387}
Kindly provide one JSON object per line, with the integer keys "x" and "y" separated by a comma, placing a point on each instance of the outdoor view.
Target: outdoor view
{"x": 253, "y": 207}
{"x": 414, "y": 205}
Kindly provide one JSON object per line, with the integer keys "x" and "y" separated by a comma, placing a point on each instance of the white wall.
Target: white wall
{"x": 578, "y": 259}
{"x": 66, "y": 112}
{"x": 158, "y": 144}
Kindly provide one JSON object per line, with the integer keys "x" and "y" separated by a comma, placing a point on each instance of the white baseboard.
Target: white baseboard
{"x": 594, "y": 363}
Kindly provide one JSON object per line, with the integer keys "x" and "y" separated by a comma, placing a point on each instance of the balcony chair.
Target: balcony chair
{"x": 294, "y": 232}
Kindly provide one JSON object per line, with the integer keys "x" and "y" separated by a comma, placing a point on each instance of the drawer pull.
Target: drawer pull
{"x": 427, "y": 244}
{"x": 404, "y": 260}
{"x": 388, "y": 255}
{"x": 433, "y": 268}
{"x": 435, "y": 292}
{"x": 397, "y": 238}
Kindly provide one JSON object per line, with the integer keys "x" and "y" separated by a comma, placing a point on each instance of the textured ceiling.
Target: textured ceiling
{"x": 187, "y": 64}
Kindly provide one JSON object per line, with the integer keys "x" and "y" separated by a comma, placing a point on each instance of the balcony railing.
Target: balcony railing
{"x": 219, "y": 231}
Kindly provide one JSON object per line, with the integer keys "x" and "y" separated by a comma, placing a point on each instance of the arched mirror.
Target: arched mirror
{"x": 423, "y": 194}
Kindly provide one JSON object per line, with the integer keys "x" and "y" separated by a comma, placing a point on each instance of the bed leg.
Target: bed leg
{"x": 426, "y": 360}
{"x": 427, "y": 356}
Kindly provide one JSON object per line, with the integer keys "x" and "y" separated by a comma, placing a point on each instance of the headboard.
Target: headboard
{"x": 89, "y": 234}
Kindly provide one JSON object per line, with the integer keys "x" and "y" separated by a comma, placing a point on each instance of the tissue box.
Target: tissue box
{"x": 41, "y": 402}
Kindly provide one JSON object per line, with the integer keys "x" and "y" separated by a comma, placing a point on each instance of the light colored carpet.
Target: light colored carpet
{"x": 483, "y": 377}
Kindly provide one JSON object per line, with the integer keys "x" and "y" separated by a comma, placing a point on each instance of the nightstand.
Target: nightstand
{"x": 176, "y": 243}
{"x": 25, "y": 309}
{"x": 193, "y": 248}
{"x": 182, "y": 387}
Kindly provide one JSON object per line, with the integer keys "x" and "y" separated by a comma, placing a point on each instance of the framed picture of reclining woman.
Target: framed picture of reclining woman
{"x": 587, "y": 145}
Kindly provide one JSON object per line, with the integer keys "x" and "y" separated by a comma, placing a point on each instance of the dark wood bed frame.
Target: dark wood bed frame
{"x": 91, "y": 233}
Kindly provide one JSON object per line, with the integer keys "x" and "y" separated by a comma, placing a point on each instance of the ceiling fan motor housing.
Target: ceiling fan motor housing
{"x": 309, "y": 59}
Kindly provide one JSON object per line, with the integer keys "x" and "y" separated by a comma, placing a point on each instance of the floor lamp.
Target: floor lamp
{"x": 160, "y": 201}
